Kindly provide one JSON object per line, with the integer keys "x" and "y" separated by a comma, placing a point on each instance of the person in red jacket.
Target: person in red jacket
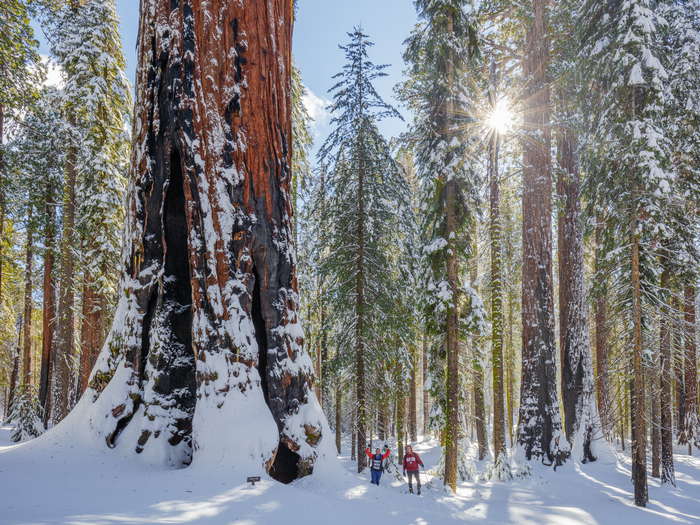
{"x": 376, "y": 463}
{"x": 411, "y": 463}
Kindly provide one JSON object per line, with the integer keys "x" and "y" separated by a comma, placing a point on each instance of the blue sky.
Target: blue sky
{"x": 320, "y": 26}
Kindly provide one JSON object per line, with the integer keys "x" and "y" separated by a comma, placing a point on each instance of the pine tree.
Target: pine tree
{"x": 622, "y": 43}
{"x": 20, "y": 74}
{"x": 438, "y": 52}
{"x": 368, "y": 195}
{"x": 97, "y": 99}
{"x": 25, "y": 415}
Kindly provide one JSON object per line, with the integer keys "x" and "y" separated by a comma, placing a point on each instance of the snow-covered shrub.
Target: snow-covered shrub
{"x": 26, "y": 414}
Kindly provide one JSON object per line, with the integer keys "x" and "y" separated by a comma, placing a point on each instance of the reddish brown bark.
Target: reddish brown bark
{"x": 539, "y": 420}
{"x": 64, "y": 347}
{"x": 91, "y": 333}
{"x": 210, "y": 246}
{"x": 49, "y": 306}
{"x": 28, "y": 305}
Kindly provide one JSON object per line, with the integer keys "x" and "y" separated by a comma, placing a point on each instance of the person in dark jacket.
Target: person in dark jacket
{"x": 411, "y": 464}
{"x": 376, "y": 463}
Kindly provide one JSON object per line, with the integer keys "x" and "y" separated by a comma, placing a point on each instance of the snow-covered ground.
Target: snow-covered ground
{"x": 51, "y": 480}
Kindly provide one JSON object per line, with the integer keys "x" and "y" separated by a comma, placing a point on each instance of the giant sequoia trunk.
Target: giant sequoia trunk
{"x": 204, "y": 362}
{"x": 580, "y": 413}
{"x": 539, "y": 425}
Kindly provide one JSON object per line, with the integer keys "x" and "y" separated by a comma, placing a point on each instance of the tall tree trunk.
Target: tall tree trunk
{"x": 49, "y": 306}
{"x": 207, "y": 328}
{"x": 499, "y": 437}
{"x": 639, "y": 438}
{"x": 338, "y": 416}
{"x": 64, "y": 347}
{"x": 539, "y": 422}
{"x": 400, "y": 421}
{"x": 678, "y": 364}
{"x": 359, "y": 330}
{"x": 655, "y": 421}
{"x": 690, "y": 423}
{"x": 668, "y": 474}
{"x": 477, "y": 366}
{"x": 601, "y": 336}
{"x": 426, "y": 394}
{"x": 16, "y": 360}
{"x": 28, "y": 304}
{"x": 580, "y": 412}
{"x": 452, "y": 432}
{"x": 413, "y": 398}
{"x": 90, "y": 332}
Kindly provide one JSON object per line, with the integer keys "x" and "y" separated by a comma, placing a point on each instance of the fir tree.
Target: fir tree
{"x": 367, "y": 194}
{"x": 438, "y": 52}
{"x": 97, "y": 103}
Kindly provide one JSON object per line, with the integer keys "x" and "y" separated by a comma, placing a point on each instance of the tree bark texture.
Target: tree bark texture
{"x": 49, "y": 306}
{"x": 580, "y": 411}
{"x": 206, "y": 338}
{"x": 601, "y": 339}
{"x": 27, "y": 378}
{"x": 496, "y": 234}
{"x": 666, "y": 391}
{"x": 539, "y": 422}
{"x": 63, "y": 355}
{"x": 477, "y": 364}
{"x": 91, "y": 336}
{"x": 690, "y": 423}
{"x": 639, "y": 438}
{"x": 413, "y": 398}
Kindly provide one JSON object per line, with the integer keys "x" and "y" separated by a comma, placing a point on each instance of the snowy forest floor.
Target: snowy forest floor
{"x": 51, "y": 480}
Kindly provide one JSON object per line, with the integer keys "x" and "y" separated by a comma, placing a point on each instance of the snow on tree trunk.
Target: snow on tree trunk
{"x": 679, "y": 362}
{"x": 477, "y": 363}
{"x": 496, "y": 234}
{"x": 690, "y": 422}
{"x": 49, "y": 305}
{"x": 91, "y": 332}
{"x": 666, "y": 378}
{"x": 580, "y": 411}
{"x": 601, "y": 337}
{"x": 204, "y": 362}
{"x": 539, "y": 423}
{"x": 639, "y": 439}
{"x": 28, "y": 304}
{"x": 63, "y": 355}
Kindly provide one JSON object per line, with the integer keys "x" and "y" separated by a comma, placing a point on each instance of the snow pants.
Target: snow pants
{"x": 413, "y": 474}
{"x": 376, "y": 476}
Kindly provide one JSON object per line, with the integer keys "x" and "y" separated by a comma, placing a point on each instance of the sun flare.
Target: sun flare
{"x": 501, "y": 118}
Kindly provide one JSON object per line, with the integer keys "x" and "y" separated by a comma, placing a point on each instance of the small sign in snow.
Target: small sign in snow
{"x": 253, "y": 479}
